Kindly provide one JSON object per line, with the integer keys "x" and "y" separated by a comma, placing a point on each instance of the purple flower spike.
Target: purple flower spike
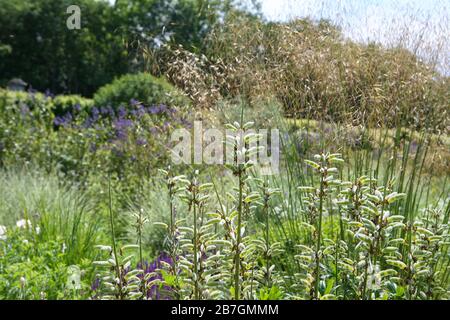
{"x": 121, "y": 112}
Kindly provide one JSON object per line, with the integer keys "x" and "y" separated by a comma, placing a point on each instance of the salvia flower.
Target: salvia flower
{"x": 64, "y": 120}
{"x": 121, "y": 112}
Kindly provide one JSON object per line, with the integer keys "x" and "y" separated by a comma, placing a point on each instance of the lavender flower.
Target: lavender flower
{"x": 141, "y": 141}
{"x": 123, "y": 123}
{"x": 121, "y": 112}
{"x": 96, "y": 284}
{"x": 64, "y": 120}
{"x": 107, "y": 111}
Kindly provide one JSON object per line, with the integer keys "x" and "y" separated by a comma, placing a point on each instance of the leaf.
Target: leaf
{"x": 396, "y": 263}
{"x": 162, "y": 224}
{"x": 312, "y": 164}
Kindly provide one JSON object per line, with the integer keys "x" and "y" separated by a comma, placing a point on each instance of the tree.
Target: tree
{"x": 45, "y": 53}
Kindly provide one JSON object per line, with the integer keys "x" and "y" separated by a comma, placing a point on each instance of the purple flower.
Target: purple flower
{"x": 153, "y": 109}
{"x": 121, "y": 112}
{"x": 96, "y": 284}
{"x": 92, "y": 119}
{"x": 88, "y": 122}
{"x": 139, "y": 112}
{"x": 155, "y": 292}
{"x": 121, "y": 135}
{"x": 186, "y": 123}
{"x": 141, "y": 141}
{"x": 64, "y": 120}
{"x": 134, "y": 102}
{"x": 118, "y": 153}
{"x": 122, "y": 124}
{"x": 154, "y": 130}
{"x": 95, "y": 112}
{"x": 107, "y": 111}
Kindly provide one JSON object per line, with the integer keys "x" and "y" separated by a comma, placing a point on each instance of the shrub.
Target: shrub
{"x": 70, "y": 103}
{"x": 37, "y": 102}
{"x": 142, "y": 87}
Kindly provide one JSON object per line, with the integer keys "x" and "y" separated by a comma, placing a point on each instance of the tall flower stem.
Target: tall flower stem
{"x": 196, "y": 294}
{"x": 237, "y": 259}
{"x": 319, "y": 236}
{"x": 113, "y": 238}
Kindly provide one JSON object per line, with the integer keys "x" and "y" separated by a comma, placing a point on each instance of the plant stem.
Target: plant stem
{"x": 196, "y": 295}
{"x": 113, "y": 237}
{"x": 319, "y": 234}
{"x": 266, "y": 207}
{"x": 238, "y": 242}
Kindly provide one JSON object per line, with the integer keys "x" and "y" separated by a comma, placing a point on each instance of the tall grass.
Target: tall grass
{"x": 62, "y": 212}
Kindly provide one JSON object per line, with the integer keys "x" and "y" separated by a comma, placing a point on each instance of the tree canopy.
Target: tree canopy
{"x": 37, "y": 46}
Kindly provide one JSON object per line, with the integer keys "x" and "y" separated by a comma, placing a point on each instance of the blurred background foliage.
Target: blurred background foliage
{"x": 36, "y": 45}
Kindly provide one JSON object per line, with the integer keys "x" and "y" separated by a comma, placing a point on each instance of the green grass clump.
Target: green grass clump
{"x": 62, "y": 213}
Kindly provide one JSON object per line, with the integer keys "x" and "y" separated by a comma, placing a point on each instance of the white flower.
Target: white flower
{"x": 74, "y": 278}
{"x": 23, "y": 282}
{"x": 22, "y": 223}
{"x": 38, "y": 230}
{"x": 2, "y": 232}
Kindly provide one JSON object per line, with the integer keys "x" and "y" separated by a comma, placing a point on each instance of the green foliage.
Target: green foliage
{"x": 53, "y": 57}
{"x": 25, "y": 261}
{"x": 63, "y": 104}
{"x": 68, "y": 133}
{"x": 184, "y": 22}
{"x": 372, "y": 226}
{"x": 63, "y": 213}
{"x": 142, "y": 87}
{"x": 374, "y": 253}
{"x": 36, "y": 45}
